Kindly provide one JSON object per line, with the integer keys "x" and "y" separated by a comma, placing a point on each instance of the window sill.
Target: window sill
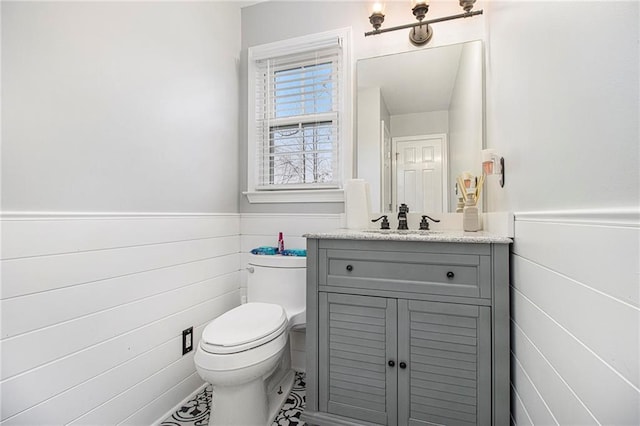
{"x": 296, "y": 196}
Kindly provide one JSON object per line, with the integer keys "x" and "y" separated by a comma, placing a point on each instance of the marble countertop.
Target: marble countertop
{"x": 443, "y": 236}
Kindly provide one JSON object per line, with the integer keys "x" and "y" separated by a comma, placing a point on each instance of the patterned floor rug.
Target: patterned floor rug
{"x": 196, "y": 411}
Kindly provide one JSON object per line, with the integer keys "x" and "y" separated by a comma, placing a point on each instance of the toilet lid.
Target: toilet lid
{"x": 244, "y": 327}
{"x": 278, "y": 261}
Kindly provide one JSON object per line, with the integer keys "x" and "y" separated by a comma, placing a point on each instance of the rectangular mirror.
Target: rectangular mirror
{"x": 420, "y": 124}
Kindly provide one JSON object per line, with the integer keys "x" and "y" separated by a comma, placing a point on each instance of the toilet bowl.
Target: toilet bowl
{"x": 244, "y": 353}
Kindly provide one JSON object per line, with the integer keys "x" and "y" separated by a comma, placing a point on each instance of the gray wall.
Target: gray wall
{"x": 564, "y": 111}
{"x": 287, "y": 19}
{"x": 119, "y": 106}
{"x": 120, "y": 224}
{"x": 371, "y": 110}
{"x": 465, "y": 118}
{"x": 420, "y": 123}
{"x": 562, "y": 108}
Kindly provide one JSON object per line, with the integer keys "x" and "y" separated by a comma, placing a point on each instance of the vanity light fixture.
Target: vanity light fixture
{"x": 492, "y": 164}
{"x": 421, "y": 31}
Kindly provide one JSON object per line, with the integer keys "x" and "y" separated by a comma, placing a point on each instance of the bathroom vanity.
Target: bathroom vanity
{"x": 407, "y": 328}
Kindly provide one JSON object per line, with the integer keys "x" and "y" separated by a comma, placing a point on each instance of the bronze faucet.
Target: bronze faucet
{"x": 402, "y": 216}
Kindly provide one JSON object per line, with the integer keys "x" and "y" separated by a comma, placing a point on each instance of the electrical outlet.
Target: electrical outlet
{"x": 187, "y": 340}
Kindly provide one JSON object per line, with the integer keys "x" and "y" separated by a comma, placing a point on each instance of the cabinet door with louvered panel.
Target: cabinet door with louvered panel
{"x": 356, "y": 379}
{"x": 446, "y": 351}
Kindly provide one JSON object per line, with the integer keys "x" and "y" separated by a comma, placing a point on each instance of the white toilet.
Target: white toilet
{"x": 244, "y": 353}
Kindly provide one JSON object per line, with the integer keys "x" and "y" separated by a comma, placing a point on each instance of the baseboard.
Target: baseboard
{"x": 180, "y": 404}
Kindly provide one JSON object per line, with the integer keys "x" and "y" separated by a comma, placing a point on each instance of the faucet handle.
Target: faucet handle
{"x": 424, "y": 223}
{"x": 385, "y": 222}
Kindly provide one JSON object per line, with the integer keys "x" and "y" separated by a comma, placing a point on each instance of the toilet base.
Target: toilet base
{"x": 250, "y": 404}
{"x": 279, "y": 395}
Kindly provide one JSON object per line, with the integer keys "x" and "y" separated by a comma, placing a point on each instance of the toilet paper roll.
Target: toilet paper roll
{"x": 357, "y": 204}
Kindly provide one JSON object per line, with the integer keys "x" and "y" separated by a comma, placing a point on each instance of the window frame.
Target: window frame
{"x": 308, "y": 194}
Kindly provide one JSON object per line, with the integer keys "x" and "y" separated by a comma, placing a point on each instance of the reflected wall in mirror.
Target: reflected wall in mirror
{"x": 420, "y": 123}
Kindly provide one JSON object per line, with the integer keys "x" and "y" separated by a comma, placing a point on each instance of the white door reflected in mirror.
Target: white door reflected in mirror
{"x": 420, "y": 180}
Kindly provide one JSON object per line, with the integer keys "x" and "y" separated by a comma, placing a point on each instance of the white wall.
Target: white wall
{"x": 93, "y": 309}
{"x": 564, "y": 113}
{"x": 119, "y": 198}
{"x": 575, "y": 318}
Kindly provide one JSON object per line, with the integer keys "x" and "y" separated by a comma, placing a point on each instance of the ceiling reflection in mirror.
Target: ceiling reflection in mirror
{"x": 420, "y": 124}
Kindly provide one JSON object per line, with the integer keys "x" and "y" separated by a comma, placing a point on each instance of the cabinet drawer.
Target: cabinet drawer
{"x": 442, "y": 274}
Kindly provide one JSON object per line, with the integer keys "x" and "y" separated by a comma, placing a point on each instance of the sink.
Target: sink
{"x": 402, "y": 231}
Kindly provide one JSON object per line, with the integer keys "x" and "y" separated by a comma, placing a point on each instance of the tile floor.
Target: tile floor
{"x": 196, "y": 411}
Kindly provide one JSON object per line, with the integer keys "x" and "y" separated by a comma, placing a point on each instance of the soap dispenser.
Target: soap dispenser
{"x": 470, "y": 215}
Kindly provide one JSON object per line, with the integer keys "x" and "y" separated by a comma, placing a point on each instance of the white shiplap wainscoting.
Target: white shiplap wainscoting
{"x": 262, "y": 230}
{"x": 93, "y": 307}
{"x": 575, "y": 318}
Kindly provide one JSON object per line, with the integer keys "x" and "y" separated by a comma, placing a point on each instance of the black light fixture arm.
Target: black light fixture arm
{"x": 421, "y": 23}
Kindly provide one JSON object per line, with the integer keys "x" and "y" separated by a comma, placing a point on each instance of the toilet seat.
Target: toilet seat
{"x": 243, "y": 328}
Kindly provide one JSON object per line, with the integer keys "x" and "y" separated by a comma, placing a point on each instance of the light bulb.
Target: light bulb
{"x": 378, "y": 7}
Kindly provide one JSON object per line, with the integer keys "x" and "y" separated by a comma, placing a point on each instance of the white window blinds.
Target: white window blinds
{"x": 298, "y": 107}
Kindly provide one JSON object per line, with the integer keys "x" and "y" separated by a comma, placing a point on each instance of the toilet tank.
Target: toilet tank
{"x": 281, "y": 280}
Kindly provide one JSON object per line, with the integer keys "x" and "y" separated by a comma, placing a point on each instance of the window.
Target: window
{"x": 297, "y": 119}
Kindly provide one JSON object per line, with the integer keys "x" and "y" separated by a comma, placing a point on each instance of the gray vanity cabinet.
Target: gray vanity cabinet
{"x": 447, "y": 348}
{"x": 406, "y": 333}
{"x": 354, "y": 379}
